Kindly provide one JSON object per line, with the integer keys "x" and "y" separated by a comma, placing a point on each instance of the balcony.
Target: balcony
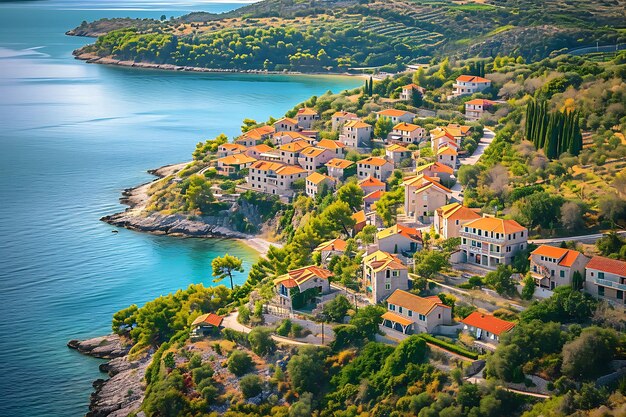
{"x": 609, "y": 284}
{"x": 481, "y": 238}
{"x": 482, "y": 251}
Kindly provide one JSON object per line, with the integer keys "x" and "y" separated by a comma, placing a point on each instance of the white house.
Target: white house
{"x": 490, "y": 241}
{"x": 340, "y": 117}
{"x": 469, "y": 84}
{"x": 407, "y": 133}
{"x": 356, "y": 134}
{"x": 409, "y": 313}
{"x": 374, "y": 166}
{"x": 306, "y": 117}
{"x": 396, "y": 116}
{"x": 316, "y": 181}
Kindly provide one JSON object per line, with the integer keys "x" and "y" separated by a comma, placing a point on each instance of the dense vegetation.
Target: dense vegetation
{"x": 281, "y": 35}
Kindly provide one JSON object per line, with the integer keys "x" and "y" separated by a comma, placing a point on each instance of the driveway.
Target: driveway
{"x": 483, "y": 144}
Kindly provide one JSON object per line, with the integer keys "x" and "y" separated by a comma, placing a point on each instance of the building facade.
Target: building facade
{"x": 490, "y": 241}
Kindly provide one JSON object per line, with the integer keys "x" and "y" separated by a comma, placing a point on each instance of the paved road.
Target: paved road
{"x": 484, "y": 143}
{"x": 584, "y": 238}
{"x": 231, "y": 322}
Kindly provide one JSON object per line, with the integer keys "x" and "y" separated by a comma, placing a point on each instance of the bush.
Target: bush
{"x": 337, "y": 309}
{"x": 239, "y": 362}
{"x": 251, "y": 385}
{"x": 261, "y": 342}
{"x": 448, "y": 346}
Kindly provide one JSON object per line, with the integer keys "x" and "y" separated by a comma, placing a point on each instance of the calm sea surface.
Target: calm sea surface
{"x": 72, "y": 136}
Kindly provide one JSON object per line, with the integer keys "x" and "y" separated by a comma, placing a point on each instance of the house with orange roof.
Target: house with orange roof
{"x": 371, "y": 184}
{"x": 450, "y": 218}
{"x": 457, "y": 130}
{"x": 232, "y": 164}
{"x": 205, "y": 324}
{"x": 491, "y": 241}
{"x": 255, "y": 136}
{"x": 486, "y": 328}
{"x": 341, "y": 168}
{"x": 290, "y": 152}
{"x": 475, "y": 109}
{"x": 300, "y": 287}
{"x": 383, "y": 273}
{"x": 408, "y": 90}
{"x": 360, "y": 221}
{"x": 286, "y": 124}
{"x": 256, "y": 151}
{"x": 340, "y": 117}
{"x": 447, "y": 155}
{"x": 606, "y": 280}
{"x": 314, "y": 157}
{"x": 553, "y": 267}
{"x": 332, "y": 145}
{"x": 306, "y": 117}
{"x": 396, "y": 116}
{"x": 369, "y": 200}
{"x": 469, "y": 84}
{"x": 274, "y": 177}
{"x": 226, "y": 149}
{"x": 397, "y": 153}
{"x": 407, "y": 133}
{"x": 283, "y": 138}
{"x": 399, "y": 239}
{"x": 330, "y": 248}
{"x": 423, "y": 195}
{"x": 440, "y": 137}
{"x": 356, "y": 134}
{"x": 316, "y": 182}
{"x": 375, "y": 167}
{"x": 411, "y": 314}
{"x": 436, "y": 170}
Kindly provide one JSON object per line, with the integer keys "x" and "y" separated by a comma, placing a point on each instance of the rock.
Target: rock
{"x": 104, "y": 347}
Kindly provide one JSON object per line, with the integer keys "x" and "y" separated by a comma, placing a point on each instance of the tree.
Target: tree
{"x": 225, "y": 266}
{"x": 571, "y": 216}
{"x": 387, "y": 206}
{"x": 468, "y": 175}
{"x": 383, "y": 127}
{"x": 261, "y": 341}
{"x": 367, "y": 319}
{"x": 612, "y": 207}
{"x": 248, "y": 124}
{"x": 239, "y": 362}
{"x": 589, "y": 354}
{"x": 416, "y": 98}
{"x": 428, "y": 263}
{"x": 540, "y": 209}
{"x": 251, "y": 385}
{"x": 198, "y": 194}
{"x": 410, "y": 350}
{"x": 528, "y": 290}
{"x": 500, "y": 280}
{"x": 610, "y": 244}
{"x": 337, "y": 309}
{"x": 352, "y": 195}
{"x": 302, "y": 407}
{"x": 304, "y": 370}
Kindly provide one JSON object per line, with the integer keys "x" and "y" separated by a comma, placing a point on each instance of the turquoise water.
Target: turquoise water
{"x": 72, "y": 135}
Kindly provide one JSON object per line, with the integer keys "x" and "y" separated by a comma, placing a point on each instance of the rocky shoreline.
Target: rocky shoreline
{"x": 123, "y": 392}
{"x": 91, "y": 58}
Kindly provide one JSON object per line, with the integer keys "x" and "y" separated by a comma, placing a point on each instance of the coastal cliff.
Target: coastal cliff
{"x": 123, "y": 392}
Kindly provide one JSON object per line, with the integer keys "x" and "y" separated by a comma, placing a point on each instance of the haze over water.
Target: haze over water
{"x": 72, "y": 136}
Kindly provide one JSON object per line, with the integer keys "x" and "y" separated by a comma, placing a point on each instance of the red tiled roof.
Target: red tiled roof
{"x": 210, "y": 318}
{"x": 472, "y": 78}
{"x": 566, "y": 257}
{"x": 611, "y": 266}
{"x": 488, "y": 323}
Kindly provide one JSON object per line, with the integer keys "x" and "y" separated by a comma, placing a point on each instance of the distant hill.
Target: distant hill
{"x": 336, "y": 35}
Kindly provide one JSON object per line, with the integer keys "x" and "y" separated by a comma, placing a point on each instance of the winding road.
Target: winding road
{"x": 484, "y": 143}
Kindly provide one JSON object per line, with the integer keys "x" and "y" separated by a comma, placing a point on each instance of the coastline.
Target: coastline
{"x": 95, "y": 59}
{"x": 177, "y": 225}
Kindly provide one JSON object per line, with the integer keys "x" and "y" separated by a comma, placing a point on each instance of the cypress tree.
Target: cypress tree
{"x": 371, "y": 86}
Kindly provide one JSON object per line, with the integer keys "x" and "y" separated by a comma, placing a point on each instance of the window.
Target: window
{"x": 387, "y": 285}
{"x": 400, "y": 309}
{"x": 620, "y": 295}
{"x": 600, "y": 275}
{"x": 410, "y": 312}
{"x": 392, "y": 307}
{"x": 422, "y": 317}
{"x": 562, "y": 274}
{"x": 600, "y": 291}
{"x": 394, "y": 273}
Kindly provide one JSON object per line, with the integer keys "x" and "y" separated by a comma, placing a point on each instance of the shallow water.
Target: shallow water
{"x": 72, "y": 136}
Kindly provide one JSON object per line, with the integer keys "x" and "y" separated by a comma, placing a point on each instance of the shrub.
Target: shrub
{"x": 448, "y": 346}
{"x": 261, "y": 342}
{"x": 239, "y": 362}
{"x": 251, "y": 385}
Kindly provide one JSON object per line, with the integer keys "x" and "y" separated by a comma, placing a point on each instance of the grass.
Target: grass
{"x": 474, "y": 7}
{"x": 500, "y": 30}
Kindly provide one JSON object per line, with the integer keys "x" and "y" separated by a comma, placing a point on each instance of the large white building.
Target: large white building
{"x": 490, "y": 241}
{"x": 274, "y": 177}
{"x": 469, "y": 84}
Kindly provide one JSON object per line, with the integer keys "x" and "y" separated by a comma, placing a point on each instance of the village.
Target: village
{"x": 288, "y": 157}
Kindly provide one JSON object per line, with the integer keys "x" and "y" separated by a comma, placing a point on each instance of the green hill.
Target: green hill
{"x": 338, "y": 35}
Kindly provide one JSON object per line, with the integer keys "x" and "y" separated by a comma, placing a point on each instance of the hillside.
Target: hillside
{"x": 314, "y": 36}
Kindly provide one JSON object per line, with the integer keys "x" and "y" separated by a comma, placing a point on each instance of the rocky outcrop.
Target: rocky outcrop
{"x": 103, "y": 347}
{"x": 124, "y": 391}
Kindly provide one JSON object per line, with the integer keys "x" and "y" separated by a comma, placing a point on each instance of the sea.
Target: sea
{"x": 72, "y": 136}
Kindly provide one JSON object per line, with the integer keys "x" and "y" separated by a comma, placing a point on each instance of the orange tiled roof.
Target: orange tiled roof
{"x": 313, "y": 151}
{"x": 356, "y": 124}
{"x": 292, "y": 135}
{"x": 493, "y": 224}
{"x": 279, "y": 168}
{"x": 415, "y": 86}
{"x": 472, "y": 79}
{"x": 480, "y": 102}
{"x": 301, "y": 275}
{"x": 397, "y": 318}
{"x": 232, "y": 146}
{"x": 287, "y": 120}
{"x": 374, "y": 195}
{"x": 456, "y": 211}
{"x": 381, "y": 260}
{"x": 393, "y": 113}
{"x": 305, "y": 111}
{"x": 488, "y": 323}
{"x": 259, "y": 132}
{"x": 316, "y": 178}
{"x": 398, "y": 229}
{"x": 330, "y": 144}
{"x": 565, "y": 257}
{"x": 447, "y": 150}
{"x": 611, "y": 266}
{"x": 236, "y": 159}
{"x": 359, "y": 217}
{"x": 371, "y": 182}
{"x": 261, "y": 148}
{"x": 435, "y": 167}
{"x": 394, "y": 147}
{"x": 209, "y": 318}
{"x": 406, "y": 127}
{"x": 295, "y": 146}
{"x": 343, "y": 114}
{"x": 373, "y": 160}
{"x": 290, "y": 170}
{"x": 338, "y": 245}
{"x": 414, "y": 302}
{"x": 339, "y": 163}
{"x": 422, "y": 182}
